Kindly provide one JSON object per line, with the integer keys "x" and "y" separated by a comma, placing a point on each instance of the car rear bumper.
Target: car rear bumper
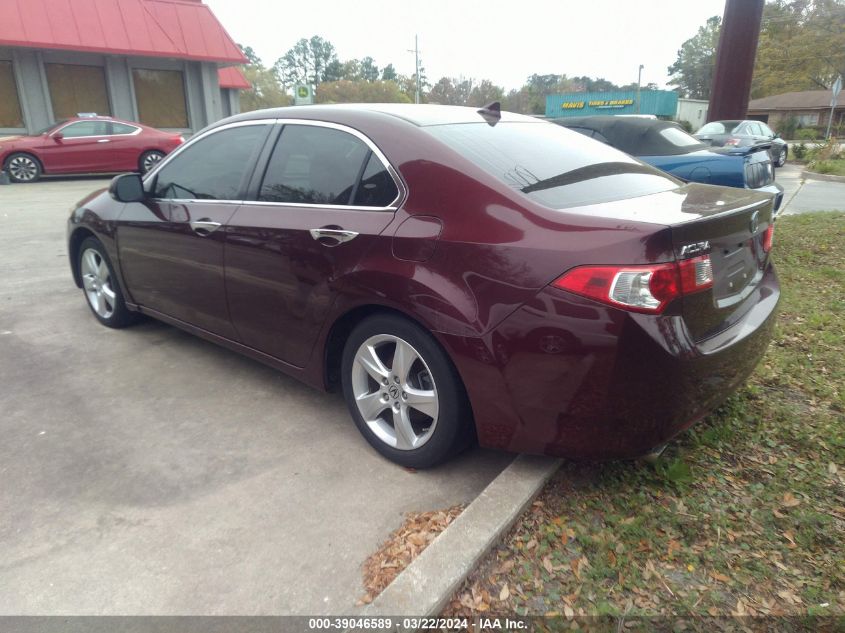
{"x": 568, "y": 377}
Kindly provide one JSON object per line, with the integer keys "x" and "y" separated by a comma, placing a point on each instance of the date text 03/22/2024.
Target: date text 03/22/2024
{"x": 479, "y": 624}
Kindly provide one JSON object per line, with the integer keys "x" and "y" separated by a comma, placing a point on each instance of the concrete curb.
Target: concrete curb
{"x": 424, "y": 587}
{"x": 815, "y": 176}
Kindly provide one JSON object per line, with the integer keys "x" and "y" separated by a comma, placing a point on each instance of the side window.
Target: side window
{"x": 313, "y": 165}
{"x": 122, "y": 128}
{"x": 85, "y": 128}
{"x": 213, "y": 167}
{"x": 767, "y": 131}
{"x": 376, "y": 188}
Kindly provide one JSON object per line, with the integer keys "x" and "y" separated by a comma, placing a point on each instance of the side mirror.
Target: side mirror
{"x": 127, "y": 188}
{"x": 777, "y": 134}
{"x": 58, "y": 136}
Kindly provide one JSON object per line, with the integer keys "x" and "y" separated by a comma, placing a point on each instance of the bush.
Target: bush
{"x": 686, "y": 125}
{"x": 806, "y": 134}
{"x": 829, "y": 167}
{"x": 787, "y": 128}
{"x": 799, "y": 152}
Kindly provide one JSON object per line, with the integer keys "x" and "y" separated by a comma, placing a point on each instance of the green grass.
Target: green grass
{"x": 744, "y": 514}
{"x": 833, "y": 166}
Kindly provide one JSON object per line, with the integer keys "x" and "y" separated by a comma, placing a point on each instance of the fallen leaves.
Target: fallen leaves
{"x": 403, "y": 546}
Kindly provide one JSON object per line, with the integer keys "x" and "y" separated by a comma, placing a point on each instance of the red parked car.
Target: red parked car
{"x": 459, "y": 274}
{"x": 85, "y": 145}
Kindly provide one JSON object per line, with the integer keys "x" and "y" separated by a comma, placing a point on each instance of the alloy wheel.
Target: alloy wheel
{"x": 395, "y": 392}
{"x": 151, "y": 159}
{"x": 23, "y": 168}
{"x": 96, "y": 280}
{"x": 782, "y": 157}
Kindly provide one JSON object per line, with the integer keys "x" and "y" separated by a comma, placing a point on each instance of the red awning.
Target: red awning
{"x": 185, "y": 29}
{"x": 233, "y": 77}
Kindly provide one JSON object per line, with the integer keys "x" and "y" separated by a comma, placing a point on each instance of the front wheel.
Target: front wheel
{"x": 404, "y": 393}
{"x": 781, "y": 161}
{"x": 99, "y": 283}
{"x": 23, "y": 168}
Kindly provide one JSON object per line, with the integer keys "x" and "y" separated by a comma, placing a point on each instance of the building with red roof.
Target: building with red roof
{"x": 165, "y": 63}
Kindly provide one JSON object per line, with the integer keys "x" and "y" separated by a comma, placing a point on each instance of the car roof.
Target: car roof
{"x": 635, "y": 136}
{"x": 422, "y": 114}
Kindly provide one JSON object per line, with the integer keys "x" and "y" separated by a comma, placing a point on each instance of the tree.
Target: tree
{"x": 266, "y": 90}
{"x": 484, "y": 93}
{"x": 346, "y": 91}
{"x": 389, "y": 73}
{"x": 692, "y": 72}
{"x": 369, "y": 70}
{"x": 450, "y": 91}
{"x": 307, "y": 62}
{"x": 801, "y": 46}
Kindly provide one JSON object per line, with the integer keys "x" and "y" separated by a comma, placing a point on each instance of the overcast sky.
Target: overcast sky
{"x": 492, "y": 39}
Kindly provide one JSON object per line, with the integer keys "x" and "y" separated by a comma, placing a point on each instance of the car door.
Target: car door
{"x": 77, "y": 147}
{"x": 171, "y": 244}
{"x": 324, "y": 199}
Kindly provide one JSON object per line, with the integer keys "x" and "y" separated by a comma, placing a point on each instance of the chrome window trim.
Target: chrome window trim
{"x": 137, "y": 129}
{"x": 394, "y": 174}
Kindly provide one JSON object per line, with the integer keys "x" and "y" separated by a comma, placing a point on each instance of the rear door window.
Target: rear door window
{"x": 554, "y": 166}
{"x": 314, "y": 165}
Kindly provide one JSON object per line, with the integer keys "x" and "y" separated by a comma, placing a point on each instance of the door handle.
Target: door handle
{"x": 103, "y": 140}
{"x": 204, "y": 227}
{"x": 338, "y": 236}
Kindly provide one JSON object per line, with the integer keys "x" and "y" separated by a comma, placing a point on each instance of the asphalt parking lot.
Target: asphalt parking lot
{"x": 146, "y": 471}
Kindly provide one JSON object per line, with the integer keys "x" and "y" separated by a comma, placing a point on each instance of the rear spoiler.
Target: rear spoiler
{"x": 744, "y": 151}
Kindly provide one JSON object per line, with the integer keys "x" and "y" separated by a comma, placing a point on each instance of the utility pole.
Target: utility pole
{"x": 416, "y": 53}
{"x": 639, "y": 80}
{"x": 731, "y": 86}
{"x": 417, "y": 64}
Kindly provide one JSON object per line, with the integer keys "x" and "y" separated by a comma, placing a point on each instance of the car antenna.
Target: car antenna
{"x": 492, "y": 113}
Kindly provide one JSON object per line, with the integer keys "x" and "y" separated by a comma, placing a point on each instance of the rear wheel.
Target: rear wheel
{"x": 99, "y": 283}
{"x": 149, "y": 160}
{"x": 404, "y": 393}
{"x": 23, "y": 168}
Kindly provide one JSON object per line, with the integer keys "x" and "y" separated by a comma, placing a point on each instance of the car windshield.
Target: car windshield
{"x": 556, "y": 167}
{"x": 50, "y": 128}
{"x": 719, "y": 127}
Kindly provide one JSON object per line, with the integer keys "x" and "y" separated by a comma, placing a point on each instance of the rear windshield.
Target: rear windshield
{"x": 719, "y": 127}
{"x": 554, "y": 166}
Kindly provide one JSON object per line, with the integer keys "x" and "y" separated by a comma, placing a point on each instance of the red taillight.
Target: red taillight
{"x": 647, "y": 289}
{"x": 732, "y": 141}
{"x": 768, "y": 237}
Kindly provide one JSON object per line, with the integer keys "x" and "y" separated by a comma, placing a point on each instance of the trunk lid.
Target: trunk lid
{"x": 729, "y": 224}
{"x": 733, "y": 234}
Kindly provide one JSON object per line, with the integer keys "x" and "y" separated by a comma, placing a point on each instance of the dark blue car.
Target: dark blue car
{"x": 667, "y": 146}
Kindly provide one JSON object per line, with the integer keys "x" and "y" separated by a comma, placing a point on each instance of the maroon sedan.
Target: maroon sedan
{"x": 460, "y": 274}
{"x": 86, "y": 145}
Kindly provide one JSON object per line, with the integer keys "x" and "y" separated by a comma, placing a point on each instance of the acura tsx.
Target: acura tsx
{"x": 461, "y": 275}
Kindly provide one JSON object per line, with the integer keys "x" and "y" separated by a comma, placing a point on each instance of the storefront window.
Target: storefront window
{"x": 10, "y": 106}
{"x": 161, "y": 97}
{"x": 75, "y": 89}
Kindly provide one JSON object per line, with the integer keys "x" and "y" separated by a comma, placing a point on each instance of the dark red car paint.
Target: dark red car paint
{"x": 472, "y": 260}
{"x": 90, "y": 154}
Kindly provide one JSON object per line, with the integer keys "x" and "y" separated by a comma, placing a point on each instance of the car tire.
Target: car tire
{"x": 781, "y": 161}
{"x": 23, "y": 167}
{"x": 100, "y": 286}
{"x": 424, "y": 397}
{"x": 149, "y": 160}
